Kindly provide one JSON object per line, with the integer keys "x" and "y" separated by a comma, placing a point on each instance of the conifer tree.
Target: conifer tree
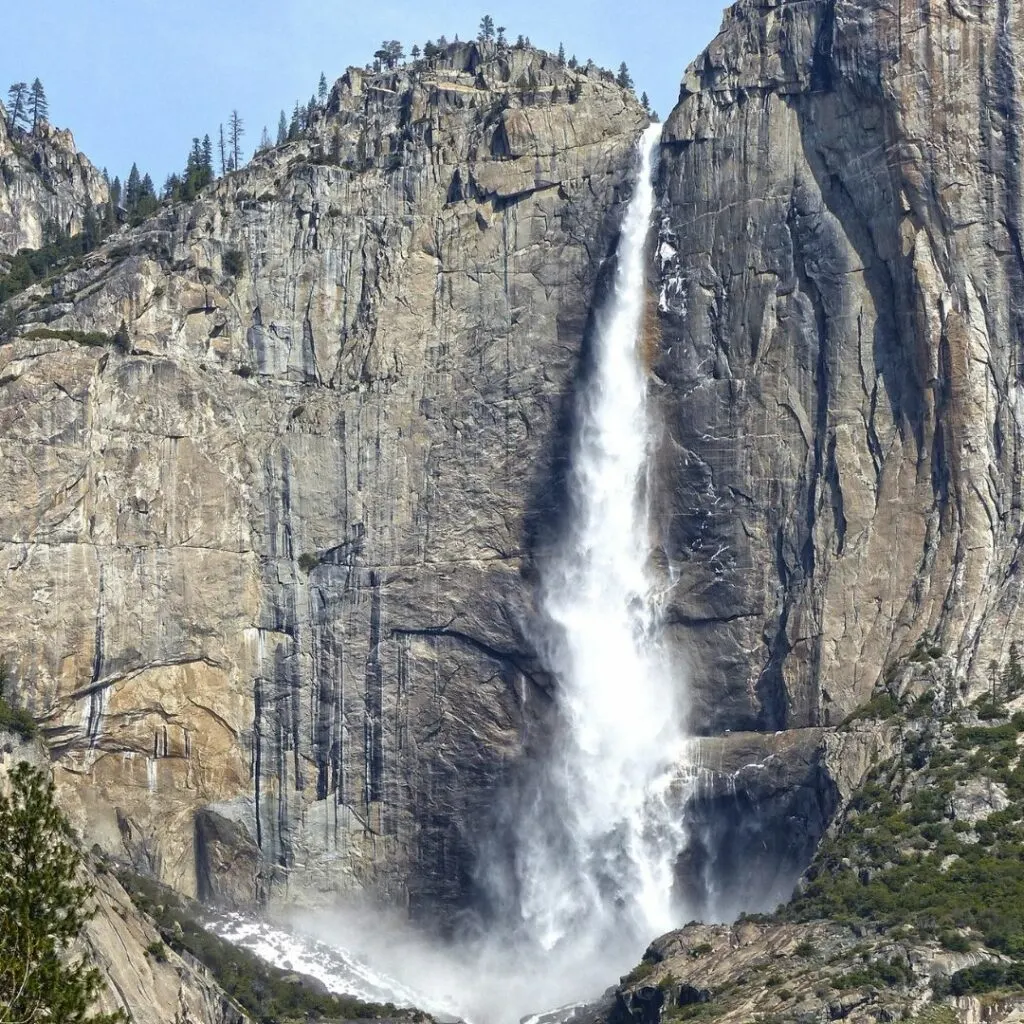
{"x": 37, "y": 105}
{"x": 147, "y": 199}
{"x": 133, "y": 187}
{"x": 222, "y": 145}
{"x": 172, "y": 187}
{"x": 295, "y": 125}
{"x": 265, "y": 142}
{"x": 390, "y": 53}
{"x": 236, "y": 130}
{"x": 623, "y": 78}
{"x": 282, "y": 129}
{"x": 321, "y": 89}
{"x": 91, "y": 235}
{"x": 193, "y": 169}
{"x": 561, "y": 54}
{"x": 502, "y": 41}
{"x": 208, "y": 174}
{"x": 198, "y": 171}
{"x": 43, "y": 908}
{"x": 486, "y": 28}
{"x": 645, "y": 102}
{"x": 415, "y": 51}
{"x": 17, "y": 100}
{"x": 110, "y": 219}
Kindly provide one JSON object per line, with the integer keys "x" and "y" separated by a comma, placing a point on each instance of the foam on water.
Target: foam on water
{"x": 599, "y": 845}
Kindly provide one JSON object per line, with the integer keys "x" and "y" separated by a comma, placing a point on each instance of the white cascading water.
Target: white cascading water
{"x": 598, "y": 837}
{"x": 599, "y": 856}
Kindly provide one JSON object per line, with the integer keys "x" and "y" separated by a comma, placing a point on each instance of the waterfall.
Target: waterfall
{"x": 597, "y": 848}
{"x": 595, "y": 836}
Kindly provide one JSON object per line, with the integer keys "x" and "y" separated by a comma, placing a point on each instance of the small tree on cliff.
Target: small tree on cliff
{"x": 623, "y": 78}
{"x": 486, "y": 33}
{"x": 38, "y": 105}
{"x": 17, "y": 106}
{"x": 43, "y": 908}
{"x": 236, "y": 130}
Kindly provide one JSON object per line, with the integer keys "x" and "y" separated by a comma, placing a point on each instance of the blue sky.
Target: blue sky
{"x": 137, "y": 80}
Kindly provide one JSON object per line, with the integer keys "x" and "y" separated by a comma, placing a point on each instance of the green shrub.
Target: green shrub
{"x": 880, "y": 707}
{"x": 233, "y": 262}
{"x": 28, "y": 266}
{"x": 955, "y": 942}
{"x": 922, "y": 707}
{"x": 308, "y": 562}
{"x": 158, "y": 951}
{"x": 642, "y": 970}
{"x": 17, "y": 720}
{"x": 938, "y": 1014}
{"x": 987, "y": 737}
{"x": 806, "y": 950}
{"x": 12, "y": 717}
{"x": 877, "y": 973}
{"x": 987, "y": 977}
{"x": 93, "y": 338}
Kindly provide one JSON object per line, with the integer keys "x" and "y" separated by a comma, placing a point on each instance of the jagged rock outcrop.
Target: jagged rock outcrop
{"x": 760, "y": 805}
{"x": 164, "y": 989}
{"x": 43, "y": 180}
{"x": 791, "y": 972}
{"x": 842, "y": 323}
{"x": 274, "y": 462}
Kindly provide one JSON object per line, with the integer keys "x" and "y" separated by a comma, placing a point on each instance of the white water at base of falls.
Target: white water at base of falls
{"x": 597, "y": 859}
{"x": 598, "y": 836}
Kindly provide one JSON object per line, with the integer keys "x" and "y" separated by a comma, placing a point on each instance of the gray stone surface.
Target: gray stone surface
{"x": 43, "y": 178}
{"x": 264, "y": 552}
{"x": 838, "y": 376}
{"x": 761, "y": 804}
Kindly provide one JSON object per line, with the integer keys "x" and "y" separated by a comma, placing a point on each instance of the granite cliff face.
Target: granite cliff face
{"x": 43, "y": 179}
{"x": 282, "y": 461}
{"x": 275, "y": 460}
{"x": 839, "y": 275}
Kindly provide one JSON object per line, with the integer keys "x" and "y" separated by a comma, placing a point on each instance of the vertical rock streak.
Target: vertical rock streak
{"x": 599, "y": 851}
